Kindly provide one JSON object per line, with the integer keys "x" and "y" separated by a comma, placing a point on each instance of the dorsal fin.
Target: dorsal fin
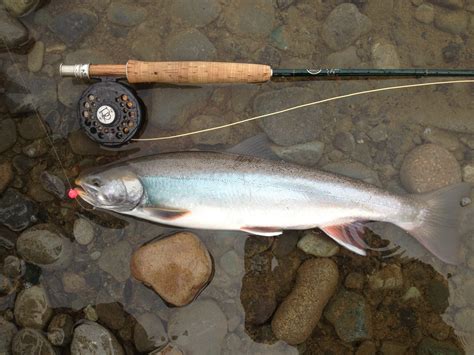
{"x": 256, "y": 146}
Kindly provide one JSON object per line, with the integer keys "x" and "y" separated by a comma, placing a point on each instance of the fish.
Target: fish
{"x": 264, "y": 197}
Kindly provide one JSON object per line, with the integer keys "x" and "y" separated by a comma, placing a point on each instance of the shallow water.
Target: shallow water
{"x": 424, "y": 306}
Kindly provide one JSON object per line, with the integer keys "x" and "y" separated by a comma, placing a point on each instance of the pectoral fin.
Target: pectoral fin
{"x": 263, "y": 231}
{"x": 165, "y": 213}
{"x": 349, "y": 236}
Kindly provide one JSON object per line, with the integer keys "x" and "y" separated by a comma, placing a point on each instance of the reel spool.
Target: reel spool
{"x": 110, "y": 113}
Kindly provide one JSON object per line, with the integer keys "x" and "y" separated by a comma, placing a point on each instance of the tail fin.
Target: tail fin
{"x": 438, "y": 228}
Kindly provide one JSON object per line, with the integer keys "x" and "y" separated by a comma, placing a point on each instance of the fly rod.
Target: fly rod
{"x": 219, "y": 72}
{"x": 111, "y": 113}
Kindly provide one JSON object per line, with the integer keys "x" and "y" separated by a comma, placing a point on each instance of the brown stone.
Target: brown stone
{"x": 177, "y": 267}
{"x": 299, "y": 313}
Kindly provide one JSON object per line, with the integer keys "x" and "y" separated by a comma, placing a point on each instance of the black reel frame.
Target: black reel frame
{"x": 110, "y": 112}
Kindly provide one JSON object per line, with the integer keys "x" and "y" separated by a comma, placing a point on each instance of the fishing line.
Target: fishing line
{"x": 43, "y": 125}
{"x": 314, "y": 103}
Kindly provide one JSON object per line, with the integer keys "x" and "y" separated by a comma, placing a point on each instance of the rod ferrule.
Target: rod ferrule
{"x": 80, "y": 71}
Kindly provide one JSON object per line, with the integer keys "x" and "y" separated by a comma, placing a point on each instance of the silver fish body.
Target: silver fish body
{"x": 207, "y": 190}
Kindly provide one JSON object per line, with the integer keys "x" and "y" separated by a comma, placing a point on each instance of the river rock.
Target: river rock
{"x": 7, "y": 332}
{"x": 450, "y": 4}
{"x": 12, "y": 31}
{"x": 35, "y": 57}
{"x": 70, "y": 91}
{"x": 20, "y": 8}
{"x": 354, "y": 170}
{"x": 189, "y": 45}
{"x": 13, "y": 267}
{"x": 199, "y": 328}
{"x": 295, "y": 127}
{"x": 258, "y": 297}
{"x": 344, "y": 25}
{"x": 7, "y": 134}
{"x": 169, "y": 349}
{"x": 385, "y": 56}
{"x": 304, "y": 154}
{"x": 196, "y": 14}
{"x": 388, "y": 278}
{"x": 149, "y": 333}
{"x": 31, "y": 341}
{"x": 454, "y": 22}
{"x": 441, "y": 137}
{"x": 437, "y": 295}
{"x": 123, "y": 14}
{"x": 429, "y": 167}
{"x": 31, "y": 128}
{"x": 73, "y": 25}
{"x": 212, "y": 138}
{"x": 93, "y": 339}
{"x": 346, "y": 58}
{"x": 84, "y": 231}
{"x": 172, "y": 107}
{"x": 318, "y": 244}
{"x": 250, "y": 18}
{"x": 45, "y": 247}
{"x": 468, "y": 173}
{"x": 354, "y": 280}
{"x": 82, "y": 145}
{"x": 350, "y": 315}
{"x": 299, "y": 313}
{"x": 36, "y": 149}
{"x": 176, "y": 267}
{"x": 32, "y": 308}
{"x": 88, "y": 55}
{"x": 429, "y": 346}
{"x": 60, "y": 329}
{"x": 17, "y": 212}
{"x": 53, "y": 184}
{"x": 115, "y": 260}
{"x": 425, "y": 13}
{"x": 6, "y": 175}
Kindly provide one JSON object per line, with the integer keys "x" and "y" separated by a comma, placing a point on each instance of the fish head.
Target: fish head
{"x": 117, "y": 189}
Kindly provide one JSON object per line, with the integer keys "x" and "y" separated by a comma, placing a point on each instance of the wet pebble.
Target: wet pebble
{"x": 384, "y": 55}
{"x": 258, "y": 297}
{"x": 74, "y": 283}
{"x": 84, "y": 231}
{"x": 468, "y": 173}
{"x": 126, "y": 14}
{"x": 73, "y": 25}
{"x": 70, "y": 91}
{"x": 12, "y": 31}
{"x": 13, "y": 267}
{"x": 22, "y": 164}
{"x": 454, "y": 22}
{"x": 91, "y": 338}
{"x": 189, "y": 45}
{"x": 388, "y": 278}
{"x": 344, "y": 141}
{"x": 425, "y": 13}
{"x": 250, "y": 18}
{"x": 441, "y": 137}
{"x": 115, "y": 260}
{"x": 304, "y": 154}
{"x": 429, "y": 167}
{"x": 232, "y": 263}
{"x": 350, "y": 315}
{"x": 20, "y": 8}
{"x": 53, "y": 184}
{"x": 393, "y": 348}
{"x": 112, "y": 314}
{"x": 90, "y": 313}
{"x": 300, "y": 312}
{"x": 379, "y": 133}
{"x": 82, "y": 145}
{"x": 201, "y": 325}
{"x": 346, "y": 58}
{"x": 32, "y": 308}
{"x": 366, "y": 348}
{"x": 429, "y": 346}
{"x": 36, "y": 149}
{"x": 196, "y": 14}
{"x": 172, "y": 107}
{"x": 178, "y": 267}
{"x": 412, "y": 294}
{"x": 450, "y": 4}
{"x": 169, "y": 349}
{"x": 17, "y": 212}
{"x": 60, "y": 329}
{"x": 212, "y": 138}
{"x": 344, "y": 25}
{"x": 149, "y": 333}
{"x": 291, "y": 128}
{"x": 36, "y": 57}
{"x": 437, "y": 294}
{"x": 354, "y": 281}
{"x": 7, "y": 134}
{"x": 318, "y": 244}
{"x": 6, "y": 175}
{"x": 31, "y": 128}
{"x": 45, "y": 247}
{"x": 6, "y": 286}
{"x": 7, "y": 332}
{"x": 31, "y": 341}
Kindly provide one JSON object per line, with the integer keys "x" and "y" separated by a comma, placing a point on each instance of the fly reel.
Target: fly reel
{"x": 110, "y": 113}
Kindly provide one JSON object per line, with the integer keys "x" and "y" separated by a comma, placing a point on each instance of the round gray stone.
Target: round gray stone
{"x": 7, "y": 134}
{"x": 189, "y": 45}
{"x": 31, "y": 341}
{"x": 83, "y": 231}
{"x": 93, "y": 339}
{"x": 32, "y": 308}
{"x": 123, "y": 14}
{"x": 196, "y": 13}
{"x": 35, "y": 57}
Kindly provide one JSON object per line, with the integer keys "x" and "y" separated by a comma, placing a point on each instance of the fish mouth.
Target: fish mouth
{"x": 85, "y": 196}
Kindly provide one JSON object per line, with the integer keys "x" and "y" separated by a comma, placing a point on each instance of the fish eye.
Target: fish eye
{"x": 96, "y": 182}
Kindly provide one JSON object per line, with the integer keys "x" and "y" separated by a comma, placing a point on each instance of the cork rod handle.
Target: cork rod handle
{"x": 196, "y": 72}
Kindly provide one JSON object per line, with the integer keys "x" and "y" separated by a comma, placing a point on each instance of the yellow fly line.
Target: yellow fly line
{"x": 334, "y": 98}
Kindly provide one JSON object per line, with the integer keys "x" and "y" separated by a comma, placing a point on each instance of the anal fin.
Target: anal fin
{"x": 350, "y": 236}
{"x": 263, "y": 231}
